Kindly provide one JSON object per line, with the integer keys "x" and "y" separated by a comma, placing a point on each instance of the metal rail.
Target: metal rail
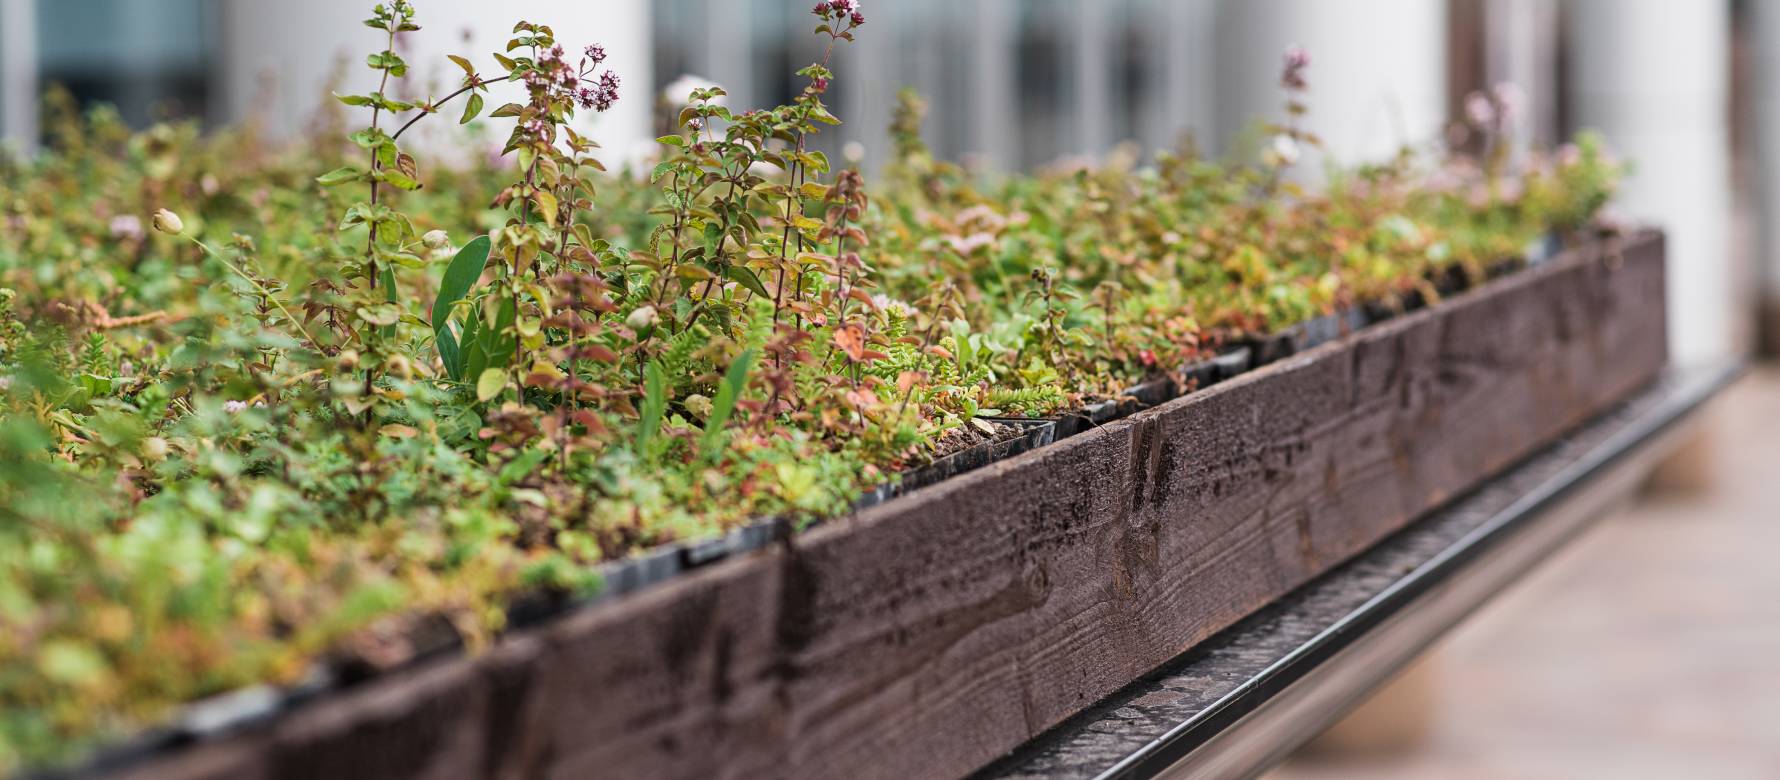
{"x": 1242, "y": 701}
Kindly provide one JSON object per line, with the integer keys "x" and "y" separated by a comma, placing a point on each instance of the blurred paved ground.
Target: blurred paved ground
{"x": 1648, "y": 648}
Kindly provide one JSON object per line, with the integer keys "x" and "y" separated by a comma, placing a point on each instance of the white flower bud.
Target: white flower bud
{"x": 699, "y": 406}
{"x": 1283, "y": 151}
{"x": 168, "y": 222}
{"x": 436, "y": 239}
{"x": 641, "y": 318}
{"x": 676, "y": 92}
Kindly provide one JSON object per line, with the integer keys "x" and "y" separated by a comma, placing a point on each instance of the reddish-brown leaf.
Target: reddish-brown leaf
{"x": 851, "y": 339}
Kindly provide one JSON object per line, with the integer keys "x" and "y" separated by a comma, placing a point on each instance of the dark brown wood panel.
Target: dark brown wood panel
{"x": 926, "y": 636}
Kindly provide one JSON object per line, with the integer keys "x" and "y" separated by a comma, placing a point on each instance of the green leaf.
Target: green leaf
{"x": 448, "y": 353}
{"x": 339, "y": 176}
{"x": 654, "y": 404}
{"x": 95, "y": 385}
{"x": 547, "y": 206}
{"x": 379, "y": 314}
{"x": 388, "y": 275}
{"x": 671, "y": 140}
{"x": 746, "y": 277}
{"x": 369, "y": 138}
{"x": 499, "y": 341}
{"x": 735, "y": 380}
{"x": 469, "y": 70}
{"x": 490, "y": 384}
{"x": 487, "y": 346}
{"x": 460, "y": 276}
{"x": 692, "y": 273}
{"x": 713, "y": 234}
{"x": 471, "y": 109}
{"x": 471, "y": 357}
{"x": 389, "y": 61}
{"x": 521, "y": 467}
{"x": 398, "y": 179}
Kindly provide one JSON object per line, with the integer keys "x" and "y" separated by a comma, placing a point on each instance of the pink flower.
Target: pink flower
{"x": 601, "y": 96}
{"x": 840, "y": 10}
{"x": 126, "y": 226}
{"x": 966, "y": 245}
{"x": 1295, "y": 61}
{"x": 1480, "y": 110}
{"x": 596, "y": 53}
{"x": 1510, "y": 99}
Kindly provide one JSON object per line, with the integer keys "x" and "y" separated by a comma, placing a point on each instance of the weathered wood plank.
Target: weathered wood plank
{"x": 926, "y": 636}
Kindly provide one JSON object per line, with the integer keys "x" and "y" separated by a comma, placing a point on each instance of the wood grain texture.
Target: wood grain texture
{"x": 933, "y": 633}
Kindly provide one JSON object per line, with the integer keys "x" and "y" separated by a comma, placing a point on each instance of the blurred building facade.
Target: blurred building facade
{"x": 1016, "y": 84}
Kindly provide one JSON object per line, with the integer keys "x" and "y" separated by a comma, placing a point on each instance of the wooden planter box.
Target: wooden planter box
{"x": 930, "y": 634}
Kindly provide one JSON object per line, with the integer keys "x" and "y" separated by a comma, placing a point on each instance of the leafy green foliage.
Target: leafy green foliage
{"x": 465, "y": 269}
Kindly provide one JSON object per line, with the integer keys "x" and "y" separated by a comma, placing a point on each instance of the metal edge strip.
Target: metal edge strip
{"x": 1164, "y": 756}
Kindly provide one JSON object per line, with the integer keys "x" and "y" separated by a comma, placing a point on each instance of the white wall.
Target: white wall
{"x": 1653, "y": 75}
{"x": 1521, "y": 48}
{"x": 293, "y": 47}
{"x": 18, "y": 73}
{"x": 1189, "y": 74}
{"x": 1377, "y": 72}
{"x": 1764, "y": 26}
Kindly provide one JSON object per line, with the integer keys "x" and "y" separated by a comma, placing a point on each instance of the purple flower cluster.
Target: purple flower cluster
{"x": 554, "y": 74}
{"x": 1291, "y": 75}
{"x": 601, "y": 96}
{"x": 840, "y": 10}
{"x": 1496, "y": 108}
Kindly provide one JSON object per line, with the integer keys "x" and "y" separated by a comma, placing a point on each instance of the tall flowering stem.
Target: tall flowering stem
{"x": 540, "y": 235}
{"x": 1289, "y": 137}
{"x": 390, "y": 235}
{"x": 1491, "y": 114}
{"x": 840, "y": 18}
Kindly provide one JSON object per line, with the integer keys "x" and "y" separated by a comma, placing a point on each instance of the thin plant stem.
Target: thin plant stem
{"x": 256, "y": 285}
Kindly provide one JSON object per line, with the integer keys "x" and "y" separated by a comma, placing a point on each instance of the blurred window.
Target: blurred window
{"x": 150, "y": 58}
